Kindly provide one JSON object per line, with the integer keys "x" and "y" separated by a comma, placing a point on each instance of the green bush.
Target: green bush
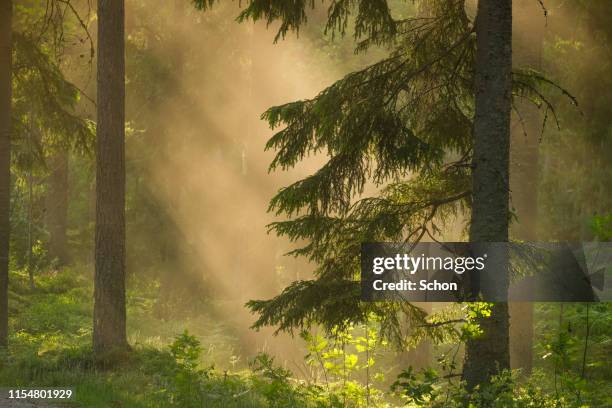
{"x": 428, "y": 389}
{"x": 184, "y": 379}
{"x": 59, "y": 313}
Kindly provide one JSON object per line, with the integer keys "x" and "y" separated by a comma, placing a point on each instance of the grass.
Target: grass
{"x": 50, "y": 343}
{"x": 50, "y": 346}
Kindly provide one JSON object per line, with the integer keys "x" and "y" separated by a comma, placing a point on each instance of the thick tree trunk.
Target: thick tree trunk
{"x": 489, "y": 353}
{"x": 109, "y": 293}
{"x": 57, "y": 207}
{"x": 529, "y": 25}
{"x": 6, "y": 12}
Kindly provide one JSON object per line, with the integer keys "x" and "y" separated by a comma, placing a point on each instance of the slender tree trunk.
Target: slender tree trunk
{"x": 6, "y": 13}
{"x": 489, "y": 353}
{"x": 529, "y": 25}
{"x": 57, "y": 207}
{"x": 30, "y": 225}
{"x": 109, "y": 290}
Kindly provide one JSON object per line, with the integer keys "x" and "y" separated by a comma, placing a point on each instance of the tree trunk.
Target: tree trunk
{"x": 30, "y": 225}
{"x": 57, "y": 207}
{"x": 6, "y": 13}
{"x": 489, "y": 353}
{"x": 109, "y": 292}
{"x": 529, "y": 24}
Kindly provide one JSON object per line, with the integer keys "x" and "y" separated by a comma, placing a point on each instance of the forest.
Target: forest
{"x": 187, "y": 188}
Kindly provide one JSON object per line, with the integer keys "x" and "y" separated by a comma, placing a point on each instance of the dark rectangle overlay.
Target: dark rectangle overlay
{"x": 493, "y": 272}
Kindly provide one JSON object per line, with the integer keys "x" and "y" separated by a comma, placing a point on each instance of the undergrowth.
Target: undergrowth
{"x": 168, "y": 366}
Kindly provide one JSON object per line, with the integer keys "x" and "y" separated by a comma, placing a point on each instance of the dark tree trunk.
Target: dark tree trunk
{"x": 529, "y": 25}
{"x": 57, "y": 207}
{"x": 109, "y": 293}
{"x": 6, "y": 14}
{"x": 489, "y": 353}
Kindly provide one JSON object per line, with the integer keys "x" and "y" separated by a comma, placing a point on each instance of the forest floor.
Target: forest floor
{"x": 51, "y": 337}
{"x": 50, "y": 346}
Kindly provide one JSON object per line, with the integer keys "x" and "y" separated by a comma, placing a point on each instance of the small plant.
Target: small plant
{"x": 185, "y": 378}
{"x": 417, "y": 388}
{"x": 343, "y": 364}
{"x": 275, "y": 383}
{"x": 473, "y": 312}
{"x": 601, "y": 225}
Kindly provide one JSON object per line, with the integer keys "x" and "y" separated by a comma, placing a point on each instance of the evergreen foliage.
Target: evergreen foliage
{"x": 402, "y": 125}
{"x": 44, "y": 100}
{"x": 45, "y": 119}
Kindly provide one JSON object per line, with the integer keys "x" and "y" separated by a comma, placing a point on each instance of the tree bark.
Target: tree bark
{"x": 6, "y": 14}
{"x": 529, "y": 25}
{"x": 488, "y": 353}
{"x": 109, "y": 284}
{"x": 57, "y": 207}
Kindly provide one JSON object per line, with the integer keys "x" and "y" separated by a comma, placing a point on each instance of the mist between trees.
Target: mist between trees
{"x": 149, "y": 197}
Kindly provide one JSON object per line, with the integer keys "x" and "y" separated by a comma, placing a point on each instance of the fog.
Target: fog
{"x": 209, "y": 169}
{"x": 212, "y": 171}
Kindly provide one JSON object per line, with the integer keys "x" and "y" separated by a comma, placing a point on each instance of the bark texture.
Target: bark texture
{"x": 109, "y": 293}
{"x": 529, "y": 25}
{"x": 489, "y": 353}
{"x": 6, "y": 12}
{"x": 57, "y": 206}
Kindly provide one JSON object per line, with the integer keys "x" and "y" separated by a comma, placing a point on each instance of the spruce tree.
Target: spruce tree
{"x": 404, "y": 124}
{"x": 6, "y": 11}
{"x": 44, "y": 120}
{"x": 35, "y": 96}
{"x": 109, "y": 333}
{"x": 410, "y": 113}
{"x": 488, "y": 353}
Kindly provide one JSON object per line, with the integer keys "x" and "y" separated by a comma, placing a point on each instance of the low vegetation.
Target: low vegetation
{"x": 171, "y": 366}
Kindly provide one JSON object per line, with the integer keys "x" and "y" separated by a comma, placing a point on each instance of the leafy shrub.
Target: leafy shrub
{"x": 601, "y": 225}
{"x": 428, "y": 389}
{"x": 59, "y": 313}
{"x": 340, "y": 361}
{"x": 184, "y": 386}
{"x": 274, "y": 383}
{"x": 416, "y": 388}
